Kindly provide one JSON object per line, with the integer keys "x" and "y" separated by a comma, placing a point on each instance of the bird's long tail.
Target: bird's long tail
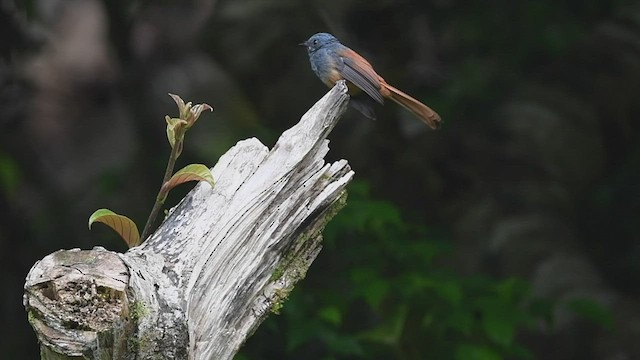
{"x": 422, "y": 111}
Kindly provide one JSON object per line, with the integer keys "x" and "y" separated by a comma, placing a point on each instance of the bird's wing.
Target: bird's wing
{"x": 358, "y": 71}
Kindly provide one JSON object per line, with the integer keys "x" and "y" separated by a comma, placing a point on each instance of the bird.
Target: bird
{"x": 331, "y": 61}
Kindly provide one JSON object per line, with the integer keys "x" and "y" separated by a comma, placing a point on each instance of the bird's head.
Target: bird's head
{"x": 318, "y": 41}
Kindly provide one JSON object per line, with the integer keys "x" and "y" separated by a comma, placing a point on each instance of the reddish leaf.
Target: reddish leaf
{"x": 124, "y": 226}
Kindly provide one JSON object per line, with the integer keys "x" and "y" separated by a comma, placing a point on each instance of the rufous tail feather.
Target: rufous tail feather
{"x": 422, "y": 111}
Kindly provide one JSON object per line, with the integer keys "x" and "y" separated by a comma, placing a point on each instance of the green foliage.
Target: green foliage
{"x": 377, "y": 292}
{"x": 593, "y": 311}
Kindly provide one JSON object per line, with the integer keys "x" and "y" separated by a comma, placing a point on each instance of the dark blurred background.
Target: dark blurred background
{"x": 510, "y": 233}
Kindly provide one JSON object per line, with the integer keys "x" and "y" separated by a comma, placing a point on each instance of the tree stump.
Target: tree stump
{"x": 220, "y": 262}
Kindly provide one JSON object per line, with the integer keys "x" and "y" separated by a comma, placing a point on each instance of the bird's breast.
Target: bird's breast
{"x": 326, "y": 67}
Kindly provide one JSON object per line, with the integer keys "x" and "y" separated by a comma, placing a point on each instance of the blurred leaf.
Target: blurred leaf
{"x": 241, "y": 356}
{"x": 370, "y": 285}
{"x": 122, "y": 225}
{"x": 366, "y": 215}
{"x": 331, "y": 314}
{"x": 498, "y": 320}
{"x": 512, "y": 289}
{"x": 593, "y": 311}
{"x": 520, "y": 352}
{"x": 498, "y": 328}
{"x": 414, "y": 283}
{"x": 426, "y": 251}
{"x": 461, "y": 320}
{"x": 475, "y": 352}
{"x": 542, "y": 309}
{"x": 342, "y": 344}
{"x": 9, "y": 174}
{"x": 450, "y": 291}
{"x": 304, "y": 330}
{"x": 389, "y": 266}
{"x": 390, "y": 332}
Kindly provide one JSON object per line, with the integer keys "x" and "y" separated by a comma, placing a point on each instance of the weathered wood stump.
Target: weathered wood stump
{"x": 220, "y": 262}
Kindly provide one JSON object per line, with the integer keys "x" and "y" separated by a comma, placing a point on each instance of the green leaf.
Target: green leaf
{"x": 512, "y": 289}
{"x": 498, "y": 321}
{"x": 390, "y": 331}
{"x": 541, "y": 308}
{"x": 591, "y": 310}
{"x": 450, "y": 291}
{"x": 517, "y": 351}
{"x": 241, "y": 356}
{"x": 305, "y": 331}
{"x": 174, "y": 129}
{"x": 370, "y": 286}
{"x": 342, "y": 344}
{"x": 498, "y": 328}
{"x": 192, "y": 172}
{"x": 124, "y": 226}
{"x": 331, "y": 314}
{"x": 461, "y": 320}
{"x": 475, "y": 352}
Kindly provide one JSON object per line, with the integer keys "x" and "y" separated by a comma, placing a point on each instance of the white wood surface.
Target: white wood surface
{"x": 223, "y": 257}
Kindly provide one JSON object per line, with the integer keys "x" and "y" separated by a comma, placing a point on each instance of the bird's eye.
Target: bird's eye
{"x": 315, "y": 42}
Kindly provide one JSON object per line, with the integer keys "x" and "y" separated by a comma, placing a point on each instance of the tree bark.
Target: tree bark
{"x": 220, "y": 262}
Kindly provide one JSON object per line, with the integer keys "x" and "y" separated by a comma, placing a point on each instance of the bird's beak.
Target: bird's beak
{"x": 303, "y": 43}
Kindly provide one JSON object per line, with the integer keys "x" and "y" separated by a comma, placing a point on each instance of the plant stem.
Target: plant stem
{"x": 175, "y": 152}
